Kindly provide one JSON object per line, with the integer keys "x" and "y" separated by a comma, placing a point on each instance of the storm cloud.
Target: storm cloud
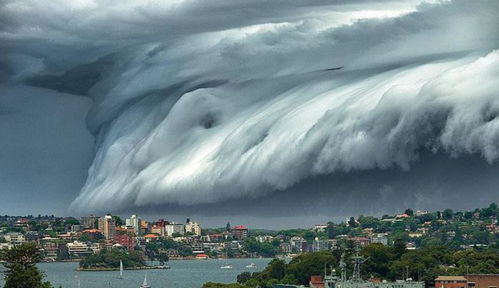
{"x": 207, "y": 102}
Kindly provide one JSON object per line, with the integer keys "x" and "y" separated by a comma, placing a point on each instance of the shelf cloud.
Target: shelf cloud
{"x": 197, "y": 103}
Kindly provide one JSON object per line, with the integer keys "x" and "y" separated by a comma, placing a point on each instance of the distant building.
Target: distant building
{"x": 158, "y": 229}
{"x": 380, "y": 238}
{"x": 298, "y": 244}
{"x": 151, "y": 237}
{"x": 451, "y": 282}
{"x": 362, "y": 241}
{"x": 265, "y": 238}
{"x": 173, "y": 228}
{"x": 78, "y": 249}
{"x": 92, "y": 234}
{"x": 134, "y": 223}
{"x": 482, "y": 280}
{"x": 320, "y": 228}
{"x": 240, "y": 232}
{"x": 316, "y": 282}
{"x": 76, "y": 228}
{"x": 15, "y": 238}
{"x": 193, "y": 227}
{"x": 285, "y": 247}
{"x": 88, "y": 222}
{"x": 421, "y": 212}
{"x": 50, "y": 250}
{"x": 468, "y": 281}
{"x": 320, "y": 245}
{"x": 107, "y": 227}
{"x": 125, "y": 241}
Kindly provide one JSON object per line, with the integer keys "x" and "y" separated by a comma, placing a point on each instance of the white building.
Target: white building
{"x": 298, "y": 244}
{"x": 15, "y": 238}
{"x": 320, "y": 245}
{"x": 265, "y": 238}
{"x": 320, "y": 228}
{"x": 78, "y": 248}
{"x": 5, "y": 246}
{"x": 193, "y": 227}
{"x": 380, "y": 238}
{"x": 107, "y": 227}
{"x": 174, "y": 228}
{"x": 134, "y": 222}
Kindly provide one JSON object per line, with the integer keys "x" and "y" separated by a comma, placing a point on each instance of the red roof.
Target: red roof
{"x": 151, "y": 236}
{"x": 202, "y": 256}
{"x": 240, "y": 227}
{"x": 316, "y": 281}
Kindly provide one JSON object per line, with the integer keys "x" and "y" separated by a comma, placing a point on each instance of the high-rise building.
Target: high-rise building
{"x": 193, "y": 227}
{"x": 134, "y": 222}
{"x": 173, "y": 228}
{"x": 240, "y": 232}
{"x": 88, "y": 222}
{"x": 107, "y": 227}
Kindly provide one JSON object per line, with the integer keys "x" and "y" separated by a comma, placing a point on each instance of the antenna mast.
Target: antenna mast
{"x": 357, "y": 260}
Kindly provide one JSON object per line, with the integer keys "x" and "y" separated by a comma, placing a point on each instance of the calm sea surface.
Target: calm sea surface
{"x": 183, "y": 274}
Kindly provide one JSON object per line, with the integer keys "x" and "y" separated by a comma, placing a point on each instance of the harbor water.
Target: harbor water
{"x": 183, "y": 274}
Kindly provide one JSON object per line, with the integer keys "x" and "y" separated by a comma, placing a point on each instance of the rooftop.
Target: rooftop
{"x": 240, "y": 227}
{"x": 451, "y": 278}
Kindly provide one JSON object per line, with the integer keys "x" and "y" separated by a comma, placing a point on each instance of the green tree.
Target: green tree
{"x": 243, "y": 277}
{"x": 448, "y": 214}
{"x": 118, "y": 221}
{"x": 409, "y": 212}
{"x": 352, "y": 222}
{"x": 399, "y": 247}
{"x": 21, "y": 271}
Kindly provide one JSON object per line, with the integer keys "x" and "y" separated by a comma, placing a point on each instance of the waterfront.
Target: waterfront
{"x": 183, "y": 274}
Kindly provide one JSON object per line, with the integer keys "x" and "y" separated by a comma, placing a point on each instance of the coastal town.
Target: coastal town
{"x": 460, "y": 232}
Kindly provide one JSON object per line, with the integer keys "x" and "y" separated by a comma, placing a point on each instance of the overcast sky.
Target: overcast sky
{"x": 300, "y": 111}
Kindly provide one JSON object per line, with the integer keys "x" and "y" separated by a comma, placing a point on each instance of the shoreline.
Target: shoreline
{"x": 103, "y": 269}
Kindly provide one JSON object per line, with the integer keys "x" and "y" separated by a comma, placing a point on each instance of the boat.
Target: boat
{"x": 226, "y": 265}
{"x": 252, "y": 265}
{"x": 145, "y": 284}
{"x": 121, "y": 269}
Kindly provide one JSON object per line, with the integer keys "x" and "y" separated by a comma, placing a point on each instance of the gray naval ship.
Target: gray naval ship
{"x": 332, "y": 281}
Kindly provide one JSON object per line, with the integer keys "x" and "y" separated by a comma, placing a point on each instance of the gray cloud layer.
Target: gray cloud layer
{"x": 202, "y": 102}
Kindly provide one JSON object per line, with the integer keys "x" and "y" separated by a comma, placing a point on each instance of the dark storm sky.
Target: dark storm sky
{"x": 295, "y": 111}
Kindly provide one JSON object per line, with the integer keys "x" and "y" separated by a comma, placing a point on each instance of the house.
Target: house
{"x": 362, "y": 241}
{"x": 451, "y": 282}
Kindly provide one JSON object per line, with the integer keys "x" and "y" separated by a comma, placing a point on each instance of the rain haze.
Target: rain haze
{"x": 272, "y": 113}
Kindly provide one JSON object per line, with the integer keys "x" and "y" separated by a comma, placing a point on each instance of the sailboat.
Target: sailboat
{"x": 226, "y": 266}
{"x": 77, "y": 277}
{"x": 121, "y": 269}
{"x": 144, "y": 284}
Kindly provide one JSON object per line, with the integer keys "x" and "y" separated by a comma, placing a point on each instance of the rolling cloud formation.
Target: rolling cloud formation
{"x": 198, "y": 102}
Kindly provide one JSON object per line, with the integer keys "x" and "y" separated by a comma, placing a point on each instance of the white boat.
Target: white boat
{"x": 144, "y": 284}
{"x": 252, "y": 265}
{"x": 226, "y": 265}
{"x": 121, "y": 269}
